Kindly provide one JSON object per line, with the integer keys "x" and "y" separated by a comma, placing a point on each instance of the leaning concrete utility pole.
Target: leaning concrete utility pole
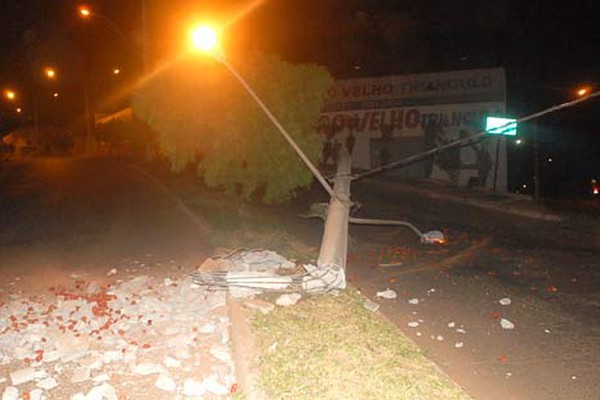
{"x": 334, "y": 245}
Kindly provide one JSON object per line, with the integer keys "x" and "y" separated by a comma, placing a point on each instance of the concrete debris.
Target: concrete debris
{"x": 288, "y": 299}
{"x": 112, "y": 272}
{"x": 323, "y": 279}
{"x": 263, "y": 306}
{"x": 22, "y": 375}
{"x": 102, "y": 392}
{"x": 387, "y": 294}
{"x": 547, "y": 331}
{"x": 193, "y": 387}
{"x": 264, "y": 261}
{"x": 166, "y": 383}
{"x": 47, "y": 384}
{"x": 460, "y": 330}
{"x": 458, "y": 345}
{"x": 505, "y": 301}
{"x": 413, "y": 324}
{"x": 147, "y": 368}
{"x": 168, "y": 281}
{"x": 506, "y": 324}
{"x": 371, "y": 306}
{"x": 87, "y": 332}
{"x": 451, "y": 324}
{"x": 439, "y": 338}
{"x": 10, "y": 393}
{"x": 245, "y": 284}
{"x": 413, "y": 301}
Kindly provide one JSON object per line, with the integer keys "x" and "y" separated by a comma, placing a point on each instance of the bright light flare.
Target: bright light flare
{"x": 10, "y": 94}
{"x": 84, "y": 11}
{"x": 116, "y": 71}
{"x": 582, "y": 92}
{"x": 50, "y": 72}
{"x": 55, "y": 95}
{"x": 204, "y": 38}
{"x": 19, "y": 110}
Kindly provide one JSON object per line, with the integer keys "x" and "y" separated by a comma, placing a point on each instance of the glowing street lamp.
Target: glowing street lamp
{"x": 583, "y": 91}
{"x": 116, "y": 71}
{"x": 84, "y": 12}
{"x": 10, "y": 94}
{"x": 50, "y": 72}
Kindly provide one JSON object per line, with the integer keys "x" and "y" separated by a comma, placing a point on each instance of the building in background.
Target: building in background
{"x": 388, "y": 118}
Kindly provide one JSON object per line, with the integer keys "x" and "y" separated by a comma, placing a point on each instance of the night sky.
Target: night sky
{"x": 548, "y": 49}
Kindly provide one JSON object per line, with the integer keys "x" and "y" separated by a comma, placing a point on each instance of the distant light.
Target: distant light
{"x": 500, "y": 126}
{"x": 204, "y": 38}
{"x": 518, "y": 141}
{"x": 116, "y": 71}
{"x": 55, "y": 94}
{"x": 596, "y": 191}
{"x": 584, "y": 91}
{"x": 50, "y": 72}
{"x": 549, "y": 159}
{"x": 524, "y": 186}
{"x": 84, "y": 11}
{"x": 10, "y": 94}
{"x": 18, "y": 109}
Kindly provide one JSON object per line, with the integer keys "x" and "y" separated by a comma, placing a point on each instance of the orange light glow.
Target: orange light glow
{"x": 204, "y": 38}
{"x": 84, "y": 11}
{"x": 55, "y": 94}
{"x": 19, "y": 110}
{"x": 584, "y": 91}
{"x": 50, "y": 72}
{"x": 116, "y": 71}
{"x": 10, "y": 94}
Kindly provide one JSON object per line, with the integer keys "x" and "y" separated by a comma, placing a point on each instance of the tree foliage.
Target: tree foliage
{"x": 201, "y": 112}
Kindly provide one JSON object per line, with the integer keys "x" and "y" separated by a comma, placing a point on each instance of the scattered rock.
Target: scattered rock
{"x": 451, "y": 324}
{"x": 22, "y": 375}
{"x": 102, "y": 392}
{"x": 192, "y": 387}
{"x": 413, "y": 301}
{"x": 439, "y": 338}
{"x": 112, "y": 272}
{"x": 506, "y": 324}
{"x": 413, "y": 324}
{"x": 10, "y": 393}
{"x": 47, "y": 384}
{"x": 147, "y": 368}
{"x": 371, "y": 306}
{"x": 80, "y": 374}
{"x": 458, "y": 345}
{"x": 166, "y": 383}
{"x": 387, "y": 294}
{"x": 505, "y": 301}
{"x": 288, "y": 299}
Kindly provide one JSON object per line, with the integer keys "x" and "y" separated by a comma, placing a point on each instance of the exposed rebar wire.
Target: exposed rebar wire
{"x": 428, "y": 153}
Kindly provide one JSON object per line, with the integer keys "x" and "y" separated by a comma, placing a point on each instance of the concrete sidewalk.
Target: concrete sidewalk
{"x": 476, "y": 197}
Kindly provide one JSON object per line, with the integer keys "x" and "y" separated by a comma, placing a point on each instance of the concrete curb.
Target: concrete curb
{"x": 245, "y": 356}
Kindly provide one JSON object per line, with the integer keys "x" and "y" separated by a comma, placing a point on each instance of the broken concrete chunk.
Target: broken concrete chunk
{"x": 371, "y": 306}
{"x": 47, "y": 384}
{"x": 37, "y": 394}
{"x": 505, "y": 301}
{"x": 413, "y": 324}
{"x": 413, "y": 301}
{"x": 166, "y": 383}
{"x": 506, "y": 324}
{"x": 288, "y": 299}
{"x": 192, "y": 387}
{"x": 213, "y": 386}
{"x": 22, "y": 375}
{"x": 102, "y": 392}
{"x": 111, "y": 272}
{"x": 147, "y": 368}
{"x": 387, "y": 294}
{"x": 10, "y": 393}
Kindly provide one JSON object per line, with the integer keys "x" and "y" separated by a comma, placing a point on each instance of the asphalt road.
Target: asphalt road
{"x": 550, "y": 272}
{"x": 88, "y": 214}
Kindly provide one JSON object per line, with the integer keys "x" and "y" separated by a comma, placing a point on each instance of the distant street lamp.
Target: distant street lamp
{"x": 583, "y": 91}
{"x": 10, "y": 94}
{"x": 50, "y": 72}
{"x": 116, "y": 71}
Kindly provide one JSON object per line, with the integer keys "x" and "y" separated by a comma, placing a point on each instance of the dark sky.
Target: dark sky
{"x": 547, "y": 47}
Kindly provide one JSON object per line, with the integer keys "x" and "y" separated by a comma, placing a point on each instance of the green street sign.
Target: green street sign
{"x": 500, "y": 126}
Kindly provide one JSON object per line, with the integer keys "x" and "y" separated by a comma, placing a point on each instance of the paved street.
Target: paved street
{"x": 95, "y": 302}
{"x": 449, "y": 296}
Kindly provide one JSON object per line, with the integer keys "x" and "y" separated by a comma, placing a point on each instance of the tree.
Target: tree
{"x": 200, "y": 111}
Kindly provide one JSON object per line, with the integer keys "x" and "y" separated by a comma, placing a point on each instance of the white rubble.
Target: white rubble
{"x": 506, "y": 324}
{"x": 10, "y": 393}
{"x": 166, "y": 383}
{"x": 505, "y": 301}
{"x": 104, "y": 391}
{"x": 387, "y": 294}
{"x": 193, "y": 387}
{"x": 413, "y": 301}
{"x": 288, "y": 299}
{"x": 47, "y": 384}
{"x": 22, "y": 375}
